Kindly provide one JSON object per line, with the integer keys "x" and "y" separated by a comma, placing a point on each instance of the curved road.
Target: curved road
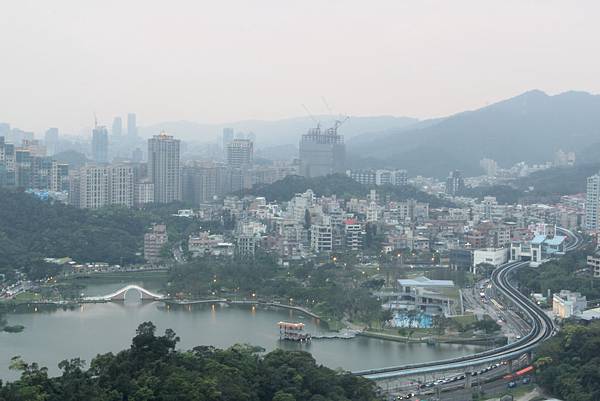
{"x": 542, "y": 329}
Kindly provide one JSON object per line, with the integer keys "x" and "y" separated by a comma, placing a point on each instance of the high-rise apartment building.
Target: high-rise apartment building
{"x": 59, "y": 178}
{"x": 117, "y": 127}
{"x": 101, "y": 185}
{"x": 137, "y": 155}
{"x": 27, "y": 167}
{"x": 100, "y": 144}
{"x": 22, "y": 168}
{"x": 455, "y": 183}
{"x": 240, "y": 152}
{"x": 121, "y": 185}
{"x": 379, "y": 177}
{"x": 4, "y": 129}
{"x": 592, "y": 203}
{"x": 7, "y": 163}
{"x": 489, "y": 166}
{"x": 202, "y": 183}
{"x": 93, "y": 187}
{"x": 226, "y": 138}
{"x": 131, "y": 125}
{"x": 322, "y": 153}
{"x": 51, "y": 141}
{"x": 144, "y": 192}
{"x": 34, "y": 146}
{"x": 163, "y": 168}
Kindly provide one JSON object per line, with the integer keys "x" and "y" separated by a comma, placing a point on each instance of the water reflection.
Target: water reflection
{"x": 53, "y": 333}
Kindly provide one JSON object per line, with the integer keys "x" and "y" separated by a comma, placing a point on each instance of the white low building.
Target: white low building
{"x": 426, "y": 295}
{"x": 566, "y": 304}
{"x": 490, "y": 256}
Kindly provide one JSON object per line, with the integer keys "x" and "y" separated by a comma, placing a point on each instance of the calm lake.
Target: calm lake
{"x": 51, "y": 336}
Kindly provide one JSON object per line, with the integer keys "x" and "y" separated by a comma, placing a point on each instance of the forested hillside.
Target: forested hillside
{"x": 152, "y": 370}
{"x": 340, "y": 185}
{"x": 562, "y": 181}
{"x": 32, "y": 229}
{"x": 530, "y": 127}
{"x": 566, "y": 273}
{"x": 568, "y": 365}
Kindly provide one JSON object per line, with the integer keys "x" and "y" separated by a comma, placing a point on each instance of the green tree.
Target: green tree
{"x": 283, "y": 396}
{"x": 307, "y": 219}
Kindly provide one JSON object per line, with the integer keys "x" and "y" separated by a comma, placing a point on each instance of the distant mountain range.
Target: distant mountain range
{"x": 530, "y": 127}
{"x": 278, "y": 132}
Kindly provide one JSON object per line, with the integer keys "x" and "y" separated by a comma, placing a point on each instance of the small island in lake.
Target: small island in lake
{"x": 14, "y": 329}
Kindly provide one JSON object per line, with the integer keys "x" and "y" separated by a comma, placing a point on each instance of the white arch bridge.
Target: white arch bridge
{"x": 119, "y": 295}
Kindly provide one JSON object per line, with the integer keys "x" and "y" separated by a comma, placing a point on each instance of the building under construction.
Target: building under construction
{"x": 322, "y": 152}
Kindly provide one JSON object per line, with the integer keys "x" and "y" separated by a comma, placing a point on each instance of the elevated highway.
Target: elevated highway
{"x": 542, "y": 328}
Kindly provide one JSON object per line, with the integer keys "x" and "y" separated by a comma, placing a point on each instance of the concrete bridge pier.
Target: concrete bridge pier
{"x": 510, "y": 366}
{"x": 529, "y": 358}
{"x": 468, "y": 379}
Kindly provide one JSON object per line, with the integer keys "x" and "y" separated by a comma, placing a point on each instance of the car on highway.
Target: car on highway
{"x": 512, "y": 384}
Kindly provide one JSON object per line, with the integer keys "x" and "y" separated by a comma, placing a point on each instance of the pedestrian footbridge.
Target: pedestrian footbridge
{"x": 119, "y": 295}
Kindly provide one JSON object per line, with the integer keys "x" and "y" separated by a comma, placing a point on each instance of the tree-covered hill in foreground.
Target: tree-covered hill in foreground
{"x": 568, "y": 365}
{"x": 32, "y": 229}
{"x": 152, "y": 370}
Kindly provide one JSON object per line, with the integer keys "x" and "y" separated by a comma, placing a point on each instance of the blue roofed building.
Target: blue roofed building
{"x": 538, "y": 250}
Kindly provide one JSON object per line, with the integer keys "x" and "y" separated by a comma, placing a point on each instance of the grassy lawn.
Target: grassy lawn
{"x": 464, "y": 319}
{"x": 28, "y": 297}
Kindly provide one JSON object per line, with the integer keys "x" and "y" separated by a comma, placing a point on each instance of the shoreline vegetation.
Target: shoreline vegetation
{"x": 432, "y": 340}
{"x": 369, "y": 322}
{"x": 153, "y": 368}
{"x": 331, "y": 325}
{"x": 17, "y": 328}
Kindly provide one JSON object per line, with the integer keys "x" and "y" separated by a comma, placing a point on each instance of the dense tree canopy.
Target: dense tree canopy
{"x": 330, "y": 290}
{"x": 560, "y": 180}
{"x": 566, "y": 273}
{"x": 32, "y": 229}
{"x": 341, "y": 186}
{"x": 153, "y": 370}
{"x": 568, "y": 365}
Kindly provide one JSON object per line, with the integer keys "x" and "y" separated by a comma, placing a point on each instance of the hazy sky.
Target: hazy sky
{"x": 225, "y": 60}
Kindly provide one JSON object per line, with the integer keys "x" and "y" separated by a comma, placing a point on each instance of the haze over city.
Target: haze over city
{"x": 333, "y": 200}
{"x": 220, "y": 62}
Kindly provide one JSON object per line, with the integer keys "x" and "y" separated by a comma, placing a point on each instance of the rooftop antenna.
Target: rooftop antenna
{"x": 95, "y": 121}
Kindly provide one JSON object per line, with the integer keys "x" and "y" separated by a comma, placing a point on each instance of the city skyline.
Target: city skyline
{"x": 264, "y": 63}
